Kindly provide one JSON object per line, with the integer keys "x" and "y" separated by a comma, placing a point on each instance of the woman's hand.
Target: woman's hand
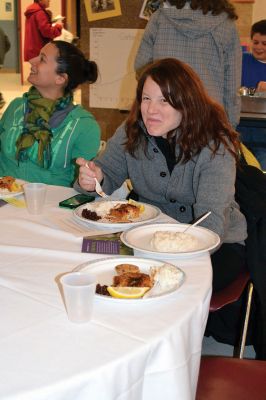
{"x": 261, "y": 87}
{"x": 87, "y": 172}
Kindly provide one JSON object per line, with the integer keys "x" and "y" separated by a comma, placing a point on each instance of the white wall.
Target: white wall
{"x": 55, "y": 7}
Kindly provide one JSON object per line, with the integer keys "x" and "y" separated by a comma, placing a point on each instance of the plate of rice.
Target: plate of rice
{"x": 163, "y": 240}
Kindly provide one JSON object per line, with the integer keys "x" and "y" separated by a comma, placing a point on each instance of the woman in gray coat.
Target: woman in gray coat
{"x": 180, "y": 153}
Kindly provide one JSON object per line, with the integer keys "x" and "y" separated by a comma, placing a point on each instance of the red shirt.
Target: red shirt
{"x": 38, "y": 30}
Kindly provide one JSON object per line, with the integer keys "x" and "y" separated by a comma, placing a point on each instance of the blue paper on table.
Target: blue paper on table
{"x": 105, "y": 244}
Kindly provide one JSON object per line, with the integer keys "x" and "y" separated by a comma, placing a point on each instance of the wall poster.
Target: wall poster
{"x": 114, "y": 51}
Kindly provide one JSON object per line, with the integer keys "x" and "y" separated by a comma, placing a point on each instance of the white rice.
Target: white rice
{"x": 168, "y": 241}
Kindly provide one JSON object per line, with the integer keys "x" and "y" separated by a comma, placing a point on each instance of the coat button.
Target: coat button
{"x": 172, "y": 201}
{"x": 163, "y": 174}
{"x": 182, "y": 209}
{"x": 155, "y": 150}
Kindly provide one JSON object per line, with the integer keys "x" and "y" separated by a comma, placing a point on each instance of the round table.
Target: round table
{"x": 149, "y": 350}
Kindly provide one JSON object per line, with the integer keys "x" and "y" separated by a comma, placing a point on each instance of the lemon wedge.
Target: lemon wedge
{"x": 135, "y": 203}
{"x": 125, "y": 292}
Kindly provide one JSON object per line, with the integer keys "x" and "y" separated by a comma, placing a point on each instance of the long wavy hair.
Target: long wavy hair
{"x": 216, "y": 7}
{"x": 204, "y": 122}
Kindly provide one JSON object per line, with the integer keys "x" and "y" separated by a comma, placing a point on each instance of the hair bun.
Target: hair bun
{"x": 90, "y": 71}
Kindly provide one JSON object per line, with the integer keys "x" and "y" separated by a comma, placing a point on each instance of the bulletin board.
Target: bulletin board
{"x": 131, "y": 26}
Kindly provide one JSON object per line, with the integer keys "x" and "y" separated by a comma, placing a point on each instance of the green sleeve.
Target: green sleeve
{"x": 88, "y": 139}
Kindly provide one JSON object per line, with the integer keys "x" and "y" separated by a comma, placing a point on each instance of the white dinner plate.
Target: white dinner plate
{"x": 104, "y": 269}
{"x": 139, "y": 238}
{"x": 149, "y": 214}
{"x": 4, "y": 193}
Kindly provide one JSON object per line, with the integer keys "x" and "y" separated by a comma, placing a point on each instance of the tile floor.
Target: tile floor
{"x": 11, "y": 87}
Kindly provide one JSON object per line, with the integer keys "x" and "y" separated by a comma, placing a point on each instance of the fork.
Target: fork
{"x": 98, "y": 187}
{"x": 99, "y": 190}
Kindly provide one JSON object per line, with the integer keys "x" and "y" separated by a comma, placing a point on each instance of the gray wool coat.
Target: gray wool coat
{"x": 208, "y": 43}
{"x": 205, "y": 183}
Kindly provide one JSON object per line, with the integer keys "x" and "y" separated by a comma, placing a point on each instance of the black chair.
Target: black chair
{"x": 229, "y": 295}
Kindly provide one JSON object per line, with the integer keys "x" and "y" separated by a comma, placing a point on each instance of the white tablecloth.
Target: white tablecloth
{"x": 145, "y": 351}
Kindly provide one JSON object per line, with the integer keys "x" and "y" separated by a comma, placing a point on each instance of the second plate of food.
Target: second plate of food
{"x": 171, "y": 277}
{"x": 116, "y": 214}
{"x": 163, "y": 240}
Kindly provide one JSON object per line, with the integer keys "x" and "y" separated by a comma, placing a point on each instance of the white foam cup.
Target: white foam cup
{"x": 35, "y": 194}
{"x": 79, "y": 292}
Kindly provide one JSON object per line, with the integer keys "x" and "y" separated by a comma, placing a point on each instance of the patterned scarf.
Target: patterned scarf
{"x": 36, "y": 125}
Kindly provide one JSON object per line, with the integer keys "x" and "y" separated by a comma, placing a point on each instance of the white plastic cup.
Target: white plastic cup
{"x": 79, "y": 292}
{"x": 35, "y": 194}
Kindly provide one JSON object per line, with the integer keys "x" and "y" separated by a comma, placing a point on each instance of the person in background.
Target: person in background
{"x": 180, "y": 153}
{"x": 38, "y": 28}
{"x": 203, "y": 34}
{"x": 253, "y": 133}
{"x": 254, "y": 63}
{"x": 4, "y": 47}
{"x": 43, "y": 132}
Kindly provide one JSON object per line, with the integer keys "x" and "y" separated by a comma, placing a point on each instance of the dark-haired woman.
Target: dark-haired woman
{"x": 203, "y": 34}
{"x": 180, "y": 153}
{"x": 43, "y": 132}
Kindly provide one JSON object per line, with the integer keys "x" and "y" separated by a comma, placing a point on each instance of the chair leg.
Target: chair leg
{"x": 239, "y": 351}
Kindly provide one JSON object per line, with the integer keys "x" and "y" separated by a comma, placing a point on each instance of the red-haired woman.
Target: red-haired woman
{"x": 180, "y": 153}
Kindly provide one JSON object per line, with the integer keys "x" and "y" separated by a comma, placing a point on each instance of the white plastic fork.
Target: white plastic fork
{"x": 99, "y": 190}
{"x": 98, "y": 187}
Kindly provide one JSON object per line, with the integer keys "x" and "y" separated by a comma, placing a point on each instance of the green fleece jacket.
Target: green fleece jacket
{"x": 78, "y": 135}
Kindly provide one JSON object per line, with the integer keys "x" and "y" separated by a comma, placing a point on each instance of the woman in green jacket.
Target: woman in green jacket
{"x": 43, "y": 132}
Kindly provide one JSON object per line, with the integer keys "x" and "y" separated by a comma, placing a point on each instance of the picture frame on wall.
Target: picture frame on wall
{"x": 101, "y": 9}
{"x": 149, "y": 7}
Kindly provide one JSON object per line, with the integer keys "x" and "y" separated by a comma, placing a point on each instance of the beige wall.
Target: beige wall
{"x": 259, "y": 10}
{"x": 249, "y": 13}
{"x": 55, "y": 7}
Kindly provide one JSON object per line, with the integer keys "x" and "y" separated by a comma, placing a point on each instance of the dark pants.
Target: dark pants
{"x": 227, "y": 262}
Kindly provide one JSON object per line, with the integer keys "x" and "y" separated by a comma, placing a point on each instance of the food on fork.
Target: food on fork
{"x": 9, "y": 184}
{"x": 124, "y": 268}
{"x": 167, "y": 241}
